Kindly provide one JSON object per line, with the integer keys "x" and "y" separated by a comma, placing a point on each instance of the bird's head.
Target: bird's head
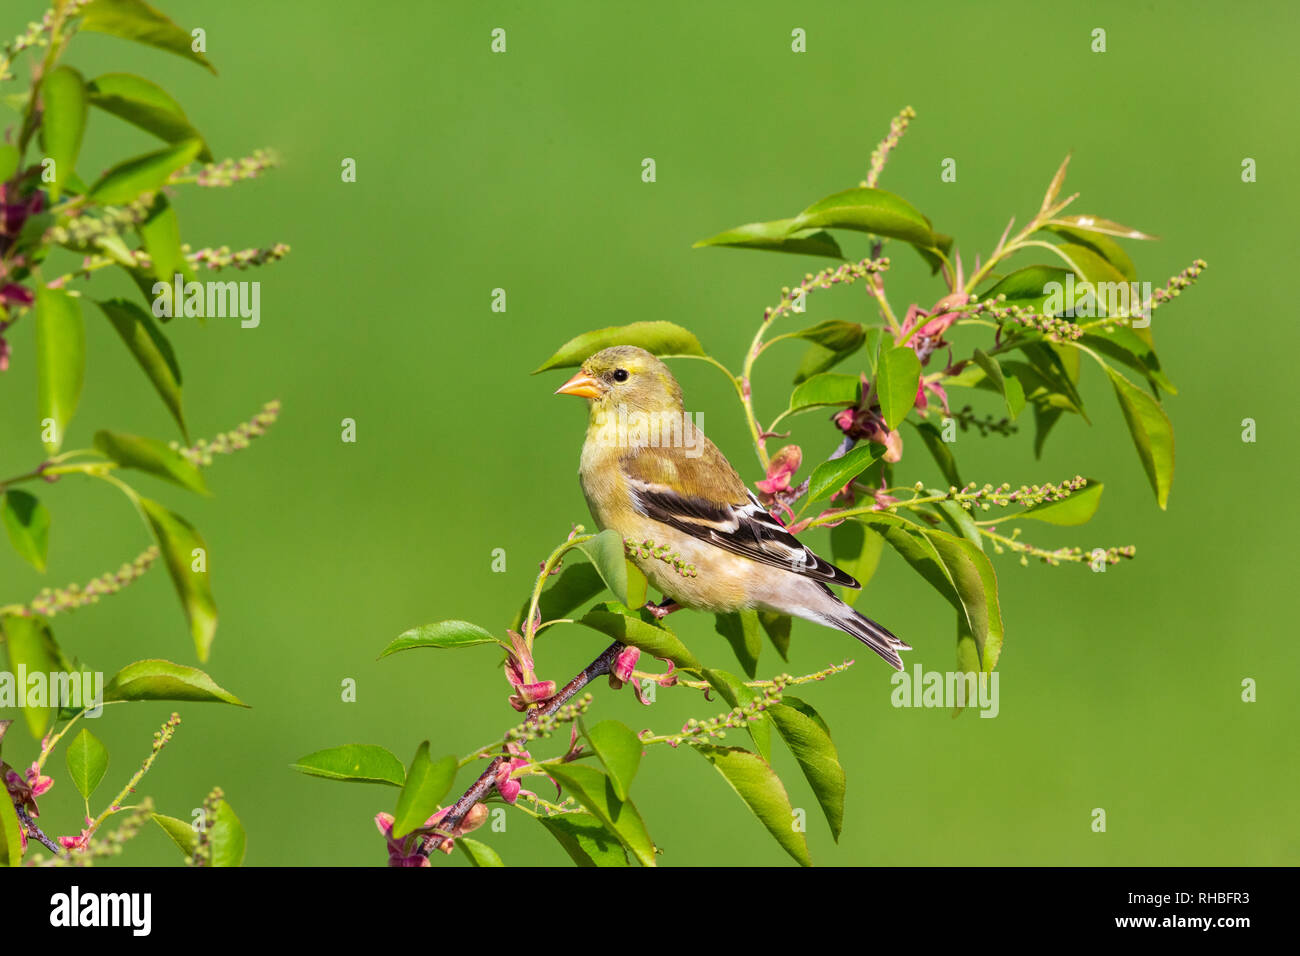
{"x": 625, "y": 376}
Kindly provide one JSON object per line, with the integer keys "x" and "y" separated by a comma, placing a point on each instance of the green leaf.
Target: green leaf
{"x": 1046, "y": 364}
{"x": 804, "y": 732}
{"x": 426, "y": 784}
{"x": 968, "y": 661}
{"x": 443, "y": 634}
{"x": 87, "y": 762}
{"x": 1045, "y": 419}
{"x": 975, "y": 583}
{"x": 777, "y": 628}
{"x": 658, "y": 338}
{"x": 831, "y": 476}
{"x": 63, "y": 123}
{"x": 585, "y": 839}
{"x": 740, "y": 628}
{"x": 906, "y": 538}
{"x": 761, "y": 790}
{"x": 354, "y": 763}
{"x": 136, "y": 20}
{"x": 28, "y": 524}
{"x": 156, "y": 679}
{"x": 1074, "y": 510}
{"x": 595, "y": 792}
{"x": 868, "y": 210}
{"x": 640, "y": 629}
{"x": 1153, "y": 434}
{"x": 856, "y": 549}
{"x": 817, "y": 359}
{"x": 1101, "y": 244}
{"x": 606, "y": 552}
{"x": 942, "y": 454}
{"x": 151, "y": 456}
{"x": 160, "y": 232}
{"x": 874, "y": 338}
{"x": 127, "y": 181}
{"x": 738, "y": 694}
{"x": 1126, "y": 346}
{"x": 637, "y": 585}
{"x": 829, "y": 388}
{"x": 181, "y": 833}
{"x": 897, "y": 378}
{"x": 480, "y": 854}
{"x": 777, "y": 237}
{"x": 151, "y": 350}
{"x": 11, "y": 834}
{"x": 60, "y": 360}
{"x": 1026, "y": 287}
{"x": 832, "y": 341}
{"x": 835, "y": 334}
{"x": 1012, "y": 391}
{"x": 31, "y": 647}
{"x": 1104, "y": 226}
{"x": 957, "y": 569}
{"x": 1092, "y": 268}
{"x": 958, "y": 518}
{"x": 619, "y": 749}
{"x": 144, "y": 104}
{"x": 179, "y": 542}
{"x": 227, "y": 838}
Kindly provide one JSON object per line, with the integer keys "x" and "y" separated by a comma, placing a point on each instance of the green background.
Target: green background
{"x": 522, "y": 171}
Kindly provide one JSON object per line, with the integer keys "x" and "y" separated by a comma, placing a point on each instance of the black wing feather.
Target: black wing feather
{"x": 745, "y": 529}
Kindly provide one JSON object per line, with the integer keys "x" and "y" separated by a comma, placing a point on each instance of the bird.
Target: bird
{"x": 688, "y": 520}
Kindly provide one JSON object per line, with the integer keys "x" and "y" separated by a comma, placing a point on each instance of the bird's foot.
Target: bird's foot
{"x": 663, "y": 608}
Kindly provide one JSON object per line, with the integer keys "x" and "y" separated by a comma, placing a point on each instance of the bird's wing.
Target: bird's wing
{"x": 704, "y": 497}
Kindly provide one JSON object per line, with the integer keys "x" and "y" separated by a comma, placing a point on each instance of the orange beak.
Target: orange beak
{"x": 582, "y": 385}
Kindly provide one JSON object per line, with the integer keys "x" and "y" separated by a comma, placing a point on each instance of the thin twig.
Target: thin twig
{"x": 35, "y": 831}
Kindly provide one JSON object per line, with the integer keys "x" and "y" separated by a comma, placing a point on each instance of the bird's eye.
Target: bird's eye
{"x": 620, "y": 375}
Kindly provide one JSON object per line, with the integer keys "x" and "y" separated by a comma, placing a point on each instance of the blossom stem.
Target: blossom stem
{"x": 530, "y": 630}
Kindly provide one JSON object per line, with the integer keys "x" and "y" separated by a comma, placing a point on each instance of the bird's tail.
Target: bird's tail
{"x": 840, "y": 615}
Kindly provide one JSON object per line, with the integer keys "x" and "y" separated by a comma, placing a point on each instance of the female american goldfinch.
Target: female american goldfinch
{"x": 649, "y": 474}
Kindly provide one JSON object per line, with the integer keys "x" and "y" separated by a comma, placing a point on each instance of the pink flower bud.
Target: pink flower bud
{"x": 626, "y": 663}
{"x": 542, "y": 690}
{"x": 475, "y": 818}
{"x": 79, "y": 842}
{"x": 893, "y": 443}
{"x": 883, "y": 501}
{"x": 508, "y": 788}
{"x": 780, "y": 469}
{"x": 39, "y": 784}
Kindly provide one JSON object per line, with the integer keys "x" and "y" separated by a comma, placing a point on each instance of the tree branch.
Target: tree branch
{"x": 486, "y": 782}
